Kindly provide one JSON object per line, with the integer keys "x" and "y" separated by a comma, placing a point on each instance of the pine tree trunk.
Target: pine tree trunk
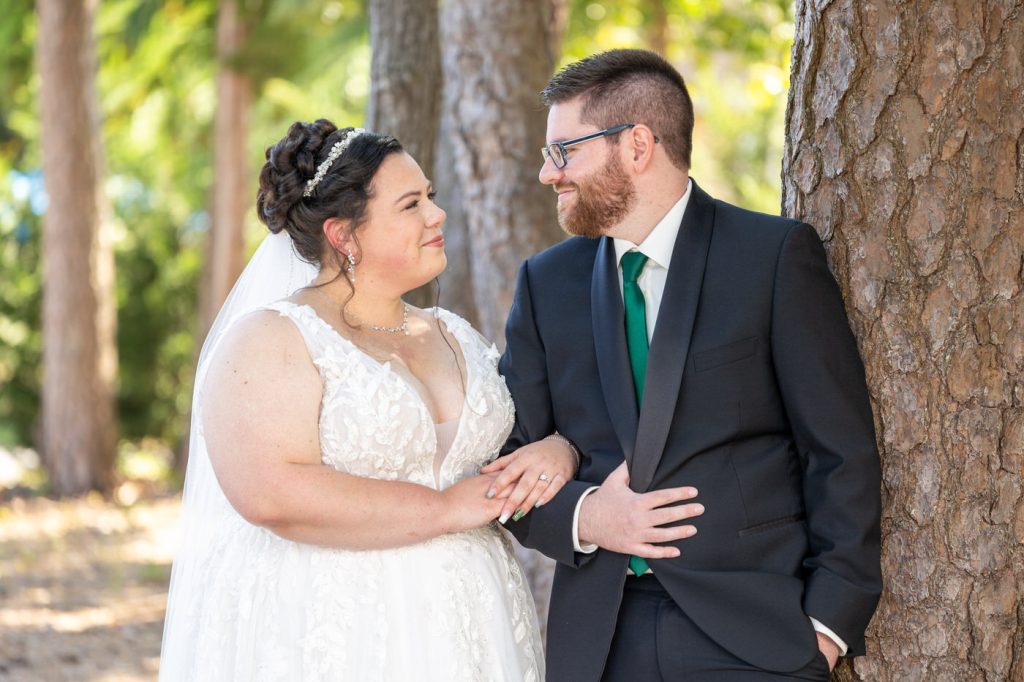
{"x": 79, "y": 352}
{"x": 497, "y": 56}
{"x": 232, "y": 184}
{"x": 497, "y": 135}
{"x": 405, "y": 75}
{"x": 405, "y": 85}
{"x": 905, "y": 148}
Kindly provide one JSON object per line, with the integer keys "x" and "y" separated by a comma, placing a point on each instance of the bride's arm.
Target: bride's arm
{"x": 260, "y": 416}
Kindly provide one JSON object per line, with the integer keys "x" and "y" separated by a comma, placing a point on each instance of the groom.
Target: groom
{"x": 683, "y": 343}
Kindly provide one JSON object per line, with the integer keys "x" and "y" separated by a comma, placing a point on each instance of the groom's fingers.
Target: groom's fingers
{"x": 648, "y": 551}
{"x": 666, "y": 515}
{"x": 660, "y": 498}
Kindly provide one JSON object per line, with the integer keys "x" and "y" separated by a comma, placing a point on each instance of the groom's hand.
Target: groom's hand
{"x": 616, "y": 518}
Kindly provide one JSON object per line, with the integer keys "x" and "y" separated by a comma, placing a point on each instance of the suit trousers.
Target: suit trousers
{"x": 655, "y": 642}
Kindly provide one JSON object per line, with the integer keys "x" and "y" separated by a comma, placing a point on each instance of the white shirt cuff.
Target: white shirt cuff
{"x": 820, "y": 627}
{"x": 586, "y": 549}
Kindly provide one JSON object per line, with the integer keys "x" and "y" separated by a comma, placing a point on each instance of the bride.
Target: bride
{"x": 337, "y": 525}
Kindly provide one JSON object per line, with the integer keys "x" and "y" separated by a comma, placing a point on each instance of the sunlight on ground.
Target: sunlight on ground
{"x": 83, "y": 587}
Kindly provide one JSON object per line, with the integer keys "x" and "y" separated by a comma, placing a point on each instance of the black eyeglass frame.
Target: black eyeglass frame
{"x": 561, "y": 146}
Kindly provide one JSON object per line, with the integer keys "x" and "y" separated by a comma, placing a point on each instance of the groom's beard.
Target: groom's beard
{"x": 602, "y": 201}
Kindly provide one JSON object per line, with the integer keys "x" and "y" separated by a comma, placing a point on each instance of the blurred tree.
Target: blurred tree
{"x": 405, "y": 84}
{"x": 405, "y": 74}
{"x": 79, "y": 354}
{"x": 231, "y": 179}
{"x": 904, "y": 148}
{"x": 496, "y": 130}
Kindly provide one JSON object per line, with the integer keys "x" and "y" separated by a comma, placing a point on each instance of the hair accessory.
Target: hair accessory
{"x": 336, "y": 151}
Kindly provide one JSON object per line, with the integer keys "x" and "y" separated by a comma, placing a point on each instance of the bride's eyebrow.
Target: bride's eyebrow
{"x": 414, "y": 193}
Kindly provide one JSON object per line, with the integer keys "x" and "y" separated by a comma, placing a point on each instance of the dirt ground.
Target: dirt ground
{"x": 83, "y": 586}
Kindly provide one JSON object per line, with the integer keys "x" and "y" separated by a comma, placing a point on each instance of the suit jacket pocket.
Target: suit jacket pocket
{"x": 723, "y": 355}
{"x": 769, "y": 525}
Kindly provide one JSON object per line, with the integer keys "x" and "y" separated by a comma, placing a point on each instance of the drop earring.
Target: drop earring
{"x": 351, "y": 267}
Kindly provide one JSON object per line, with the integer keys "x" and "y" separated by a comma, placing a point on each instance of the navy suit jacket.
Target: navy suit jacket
{"x": 755, "y": 395}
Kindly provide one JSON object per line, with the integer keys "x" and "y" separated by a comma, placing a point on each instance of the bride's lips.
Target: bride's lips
{"x": 436, "y": 241}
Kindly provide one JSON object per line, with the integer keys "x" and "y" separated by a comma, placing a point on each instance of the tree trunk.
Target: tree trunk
{"x": 79, "y": 304}
{"x": 405, "y": 85}
{"x": 405, "y": 75}
{"x": 232, "y": 186}
{"x": 905, "y": 148}
{"x": 495, "y": 128}
{"x": 497, "y": 133}
{"x": 231, "y": 181}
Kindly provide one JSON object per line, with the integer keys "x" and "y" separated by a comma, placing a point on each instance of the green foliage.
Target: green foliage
{"x": 307, "y": 59}
{"x": 734, "y": 55}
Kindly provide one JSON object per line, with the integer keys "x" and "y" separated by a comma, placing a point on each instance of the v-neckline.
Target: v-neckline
{"x": 420, "y": 402}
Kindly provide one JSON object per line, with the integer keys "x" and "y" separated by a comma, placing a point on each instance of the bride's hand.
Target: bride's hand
{"x": 467, "y": 505}
{"x": 532, "y": 475}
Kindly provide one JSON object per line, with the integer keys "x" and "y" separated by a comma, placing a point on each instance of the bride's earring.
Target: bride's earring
{"x": 351, "y": 267}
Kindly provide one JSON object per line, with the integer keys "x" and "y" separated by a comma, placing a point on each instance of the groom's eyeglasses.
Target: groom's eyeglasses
{"x": 556, "y": 151}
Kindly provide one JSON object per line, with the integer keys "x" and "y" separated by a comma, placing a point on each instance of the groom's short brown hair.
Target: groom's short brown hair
{"x": 630, "y": 86}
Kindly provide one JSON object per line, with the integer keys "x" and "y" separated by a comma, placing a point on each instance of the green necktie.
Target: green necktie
{"x": 636, "y": 339}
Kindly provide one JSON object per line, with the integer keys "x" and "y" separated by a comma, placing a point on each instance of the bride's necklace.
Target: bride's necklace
{"x": 399, "y": 329}
{"x": 402, "y": 328}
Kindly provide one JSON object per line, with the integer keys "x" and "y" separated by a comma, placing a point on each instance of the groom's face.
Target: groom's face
{"x": 594, "y": 191}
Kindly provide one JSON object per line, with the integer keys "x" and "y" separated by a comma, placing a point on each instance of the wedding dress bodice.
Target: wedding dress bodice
{"x": 374, "y": 423}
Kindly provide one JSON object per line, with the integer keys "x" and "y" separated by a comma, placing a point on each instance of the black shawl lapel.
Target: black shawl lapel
{"x": 666, "y": 358}
{"x": 610, "y": 346}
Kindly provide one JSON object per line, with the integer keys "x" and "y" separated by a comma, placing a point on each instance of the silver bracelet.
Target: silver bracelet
{"x": 572, "y": 447}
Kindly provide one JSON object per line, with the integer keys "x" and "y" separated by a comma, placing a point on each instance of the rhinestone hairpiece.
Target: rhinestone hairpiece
{"x": 336, "y": 151}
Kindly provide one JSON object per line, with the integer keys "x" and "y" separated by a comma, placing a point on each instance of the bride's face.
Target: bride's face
{"x": 400, "y": 242}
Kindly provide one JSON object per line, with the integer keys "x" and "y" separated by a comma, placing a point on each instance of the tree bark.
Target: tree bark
{"x": 79, "y": 304}
{"x": 405, "y": 86}
{"x": 231, "y": 181}
{"x": 405, "y": 75}
{"x": 497, "y": 132}
{"x": 905, "y": 147}
{"x": 495, "y": 128}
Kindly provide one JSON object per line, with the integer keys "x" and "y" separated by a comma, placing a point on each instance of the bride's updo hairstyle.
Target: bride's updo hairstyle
{"x": 342, "y": 191}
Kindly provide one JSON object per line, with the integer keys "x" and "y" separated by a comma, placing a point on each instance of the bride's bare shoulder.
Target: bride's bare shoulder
{"x": 263, "y": 338}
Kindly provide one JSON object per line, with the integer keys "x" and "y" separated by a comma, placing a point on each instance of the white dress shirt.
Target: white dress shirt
{"x": 658, "y": 248}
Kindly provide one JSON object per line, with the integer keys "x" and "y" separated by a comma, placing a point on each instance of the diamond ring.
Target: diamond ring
{"x": 542, "y": 477}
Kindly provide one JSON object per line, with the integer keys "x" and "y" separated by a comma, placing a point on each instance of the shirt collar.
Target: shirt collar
{"x": 661, "y": 241}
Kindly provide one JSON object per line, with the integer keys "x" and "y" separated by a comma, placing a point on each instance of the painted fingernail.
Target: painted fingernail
{"x": 539, "y": 504}
{"x": 503, "y": 518}
{"x": 518, "y": 515}
{"x": 491, "y": 493}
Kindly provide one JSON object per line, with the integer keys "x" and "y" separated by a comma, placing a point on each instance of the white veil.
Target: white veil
{"x": 275, "y": 272}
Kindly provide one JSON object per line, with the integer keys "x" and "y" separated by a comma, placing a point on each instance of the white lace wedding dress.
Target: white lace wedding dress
{"x": 456, "y": 607}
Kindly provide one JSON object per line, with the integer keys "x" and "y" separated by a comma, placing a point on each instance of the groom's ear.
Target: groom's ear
{"x": 338, "y": 233}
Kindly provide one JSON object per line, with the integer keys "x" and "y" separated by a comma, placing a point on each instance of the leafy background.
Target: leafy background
{"x": 156, "y": 84}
